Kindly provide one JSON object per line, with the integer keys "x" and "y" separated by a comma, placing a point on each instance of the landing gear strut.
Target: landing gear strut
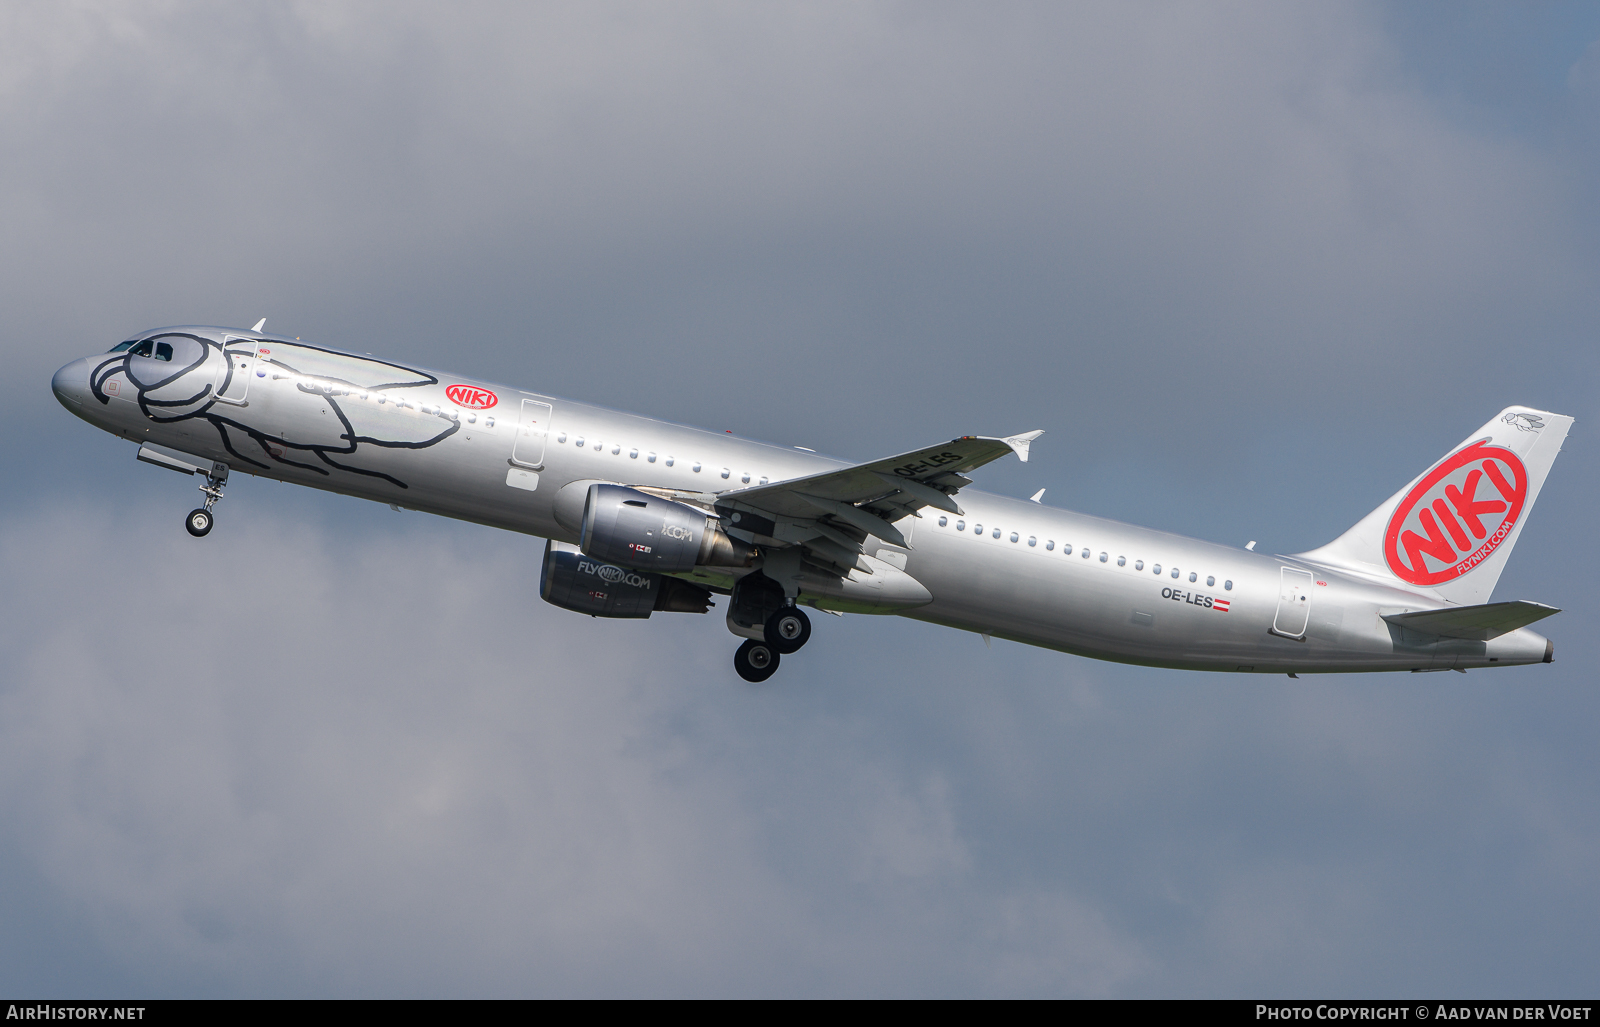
{"x": 200, "y": 519}
{"x": 755, "y": 661}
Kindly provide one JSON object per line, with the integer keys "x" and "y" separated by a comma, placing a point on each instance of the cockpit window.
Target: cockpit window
{"x": 119, "y": 347}
{"x": 144, "y": 348}
{"x": 163, "y": 351}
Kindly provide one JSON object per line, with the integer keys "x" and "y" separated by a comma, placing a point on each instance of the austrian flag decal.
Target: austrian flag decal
{"x": 1457, "y": 515}
{"x": 1220, "y": 604}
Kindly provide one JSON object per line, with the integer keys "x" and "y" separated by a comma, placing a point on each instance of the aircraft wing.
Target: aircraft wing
{"x": 832, "y": 513}
{"x": 1482, "y": 623}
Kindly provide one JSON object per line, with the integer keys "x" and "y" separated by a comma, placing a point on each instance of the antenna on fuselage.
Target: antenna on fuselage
{"x": 1251, "y": 545}
{"x": 260, "y": 325}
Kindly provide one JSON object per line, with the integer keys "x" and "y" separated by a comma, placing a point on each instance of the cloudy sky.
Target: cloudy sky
{"x": 1250, "y": 266}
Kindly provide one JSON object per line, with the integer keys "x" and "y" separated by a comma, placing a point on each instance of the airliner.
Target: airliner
{"x": 643, "y": 516}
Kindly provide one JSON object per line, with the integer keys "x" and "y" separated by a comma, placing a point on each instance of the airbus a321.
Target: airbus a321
{"x": 644, "y": 516}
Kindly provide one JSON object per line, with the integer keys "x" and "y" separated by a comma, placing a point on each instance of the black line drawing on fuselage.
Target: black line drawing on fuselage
{"x": 192, "y": 393}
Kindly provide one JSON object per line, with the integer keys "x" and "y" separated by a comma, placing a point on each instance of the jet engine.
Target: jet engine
{"x": 574, "y": 581}
{"x": 634, "y": 529}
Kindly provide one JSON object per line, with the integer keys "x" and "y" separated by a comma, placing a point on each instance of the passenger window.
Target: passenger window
{"x": 1155, "y": 568}
{"x": 1032, "y": 541}
{"x": 1049, "y": 544}
{"x": 488, "y": 422}
{"x": 650, "y": 459}
{"x": 472, "y": 418}
{"x": 1067, "y": 551}
{"x": 1013, "y": 536}
{"x": 697, "y": 467}
{"x": 1174, "y": 572}
{"x": 1193, "y": 577}
{"x": 961, "y": 525}
{"x": 163, "y": 351}
{"x": 997, "y": 533}
{"x": 763, "y": 480}
{"x": 1122, "y": 561}
{"x": 671, "y": 460}
{"x": 1211, "y": 581}
{"x": 726, "y": 472}
{"x": 617, "y": 448}
{"x": 745, "y": 477}
{"x": 1138, "y": 565}
{"x": 943, "y": 521}
{"x": 1228, "y": 585}
{"x": 633, "y": 454}
{"x": 1103, "y": 557}
{"x": 578, "y": 442}
{"x": 977, "y": 529}
{"x": 559, "y": 438}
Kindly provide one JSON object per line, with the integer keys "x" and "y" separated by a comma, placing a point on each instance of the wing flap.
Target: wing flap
{"x": 1489, "y": 620}
{"x": 831, "y": 514}
{"x": 936, "y": 468}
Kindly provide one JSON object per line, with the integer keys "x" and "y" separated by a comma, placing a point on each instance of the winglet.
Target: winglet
{"x": 260, "y": 325}
{"x": 1019, "y": 443}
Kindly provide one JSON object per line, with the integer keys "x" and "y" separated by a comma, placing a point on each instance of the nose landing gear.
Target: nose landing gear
{"x": 200, "y": 519}
{"x": 198, "y": 522}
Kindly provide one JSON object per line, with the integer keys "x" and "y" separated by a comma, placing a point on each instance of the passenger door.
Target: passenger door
{"x": 237, "y": 368}
{"x": 1294, "y": 603}
{"x": 532, "y": 430}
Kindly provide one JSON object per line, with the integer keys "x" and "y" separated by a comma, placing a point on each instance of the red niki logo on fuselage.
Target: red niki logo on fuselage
{"x": 471, "y": 397}
{"x": 1456, "y": 516}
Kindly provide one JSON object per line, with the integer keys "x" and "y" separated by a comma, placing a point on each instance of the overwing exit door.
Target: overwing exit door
{"x": 1294, "y": 603}
{"x": 533, "y": 428}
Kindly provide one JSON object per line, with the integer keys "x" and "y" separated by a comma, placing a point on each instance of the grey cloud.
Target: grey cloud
{"x": 291, "y": 786}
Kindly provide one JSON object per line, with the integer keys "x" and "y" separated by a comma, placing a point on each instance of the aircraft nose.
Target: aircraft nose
{"x": 71, "y": 383}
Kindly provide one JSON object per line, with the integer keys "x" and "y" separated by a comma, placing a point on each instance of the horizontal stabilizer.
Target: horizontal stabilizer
{"x": 1482, "y": 623}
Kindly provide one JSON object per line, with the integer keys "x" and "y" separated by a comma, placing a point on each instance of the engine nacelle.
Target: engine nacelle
{"x": 634, "y": 529}
{"x": 574, "y": 581}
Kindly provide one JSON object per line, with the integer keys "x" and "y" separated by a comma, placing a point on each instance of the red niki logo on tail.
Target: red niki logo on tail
{"x": 1457, "y": 515}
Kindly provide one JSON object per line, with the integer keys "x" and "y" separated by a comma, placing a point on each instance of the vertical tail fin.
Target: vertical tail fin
{"x": 1450, "y": 531}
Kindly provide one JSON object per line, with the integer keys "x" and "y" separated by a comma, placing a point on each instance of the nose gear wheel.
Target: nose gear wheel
{"x": 198, "y": 522}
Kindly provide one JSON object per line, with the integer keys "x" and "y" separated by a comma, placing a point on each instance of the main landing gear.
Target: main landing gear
{"x": 755, "y": 661}
{"x": 775, "y": 627}
{"x": 786, "y": 631}
{"x": 200, "y": 519}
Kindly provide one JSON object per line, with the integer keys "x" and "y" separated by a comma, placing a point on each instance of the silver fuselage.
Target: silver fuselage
{"x": 1048, "y": 577}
